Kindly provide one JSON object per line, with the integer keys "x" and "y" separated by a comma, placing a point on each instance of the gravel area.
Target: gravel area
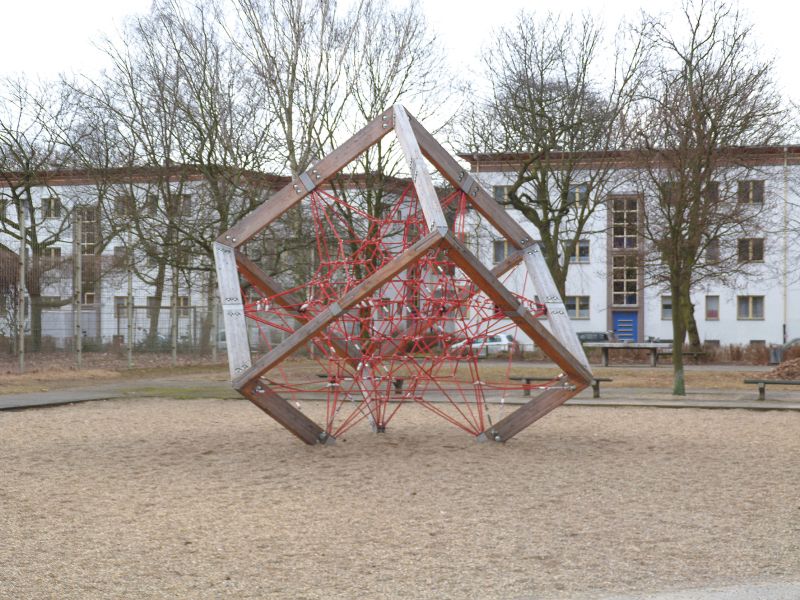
{"x": 212, "y": 499}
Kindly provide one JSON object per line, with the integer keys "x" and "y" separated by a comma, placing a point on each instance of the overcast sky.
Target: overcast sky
{"x": 46, "y": 37}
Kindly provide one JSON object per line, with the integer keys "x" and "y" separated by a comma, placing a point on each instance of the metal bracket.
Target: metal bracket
{"x": 306, "y": 180}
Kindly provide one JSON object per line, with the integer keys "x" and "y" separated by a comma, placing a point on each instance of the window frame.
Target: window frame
{"x": 709, "y": 318}
{"x": 664, "y": 316}
{"x": 51, "y": 207}
{"x": 582, "y": 307}
{"x": 751, "y": 245}
{"x": 750, "y": 307}
{"x": 750, "y": 191}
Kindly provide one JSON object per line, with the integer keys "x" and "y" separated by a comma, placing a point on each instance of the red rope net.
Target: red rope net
{"x": 418, "y": 338}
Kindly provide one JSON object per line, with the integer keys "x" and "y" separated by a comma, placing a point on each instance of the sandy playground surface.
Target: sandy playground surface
{"x": 211, "y": 499}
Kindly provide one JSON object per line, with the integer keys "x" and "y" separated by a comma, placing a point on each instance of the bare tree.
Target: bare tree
{"x": 709, "y": 94}
{"x": 31, "y": 213}
{"x": 546, "y": 103}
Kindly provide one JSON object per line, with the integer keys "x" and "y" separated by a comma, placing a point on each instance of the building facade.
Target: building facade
{"x": 609, "y": 286}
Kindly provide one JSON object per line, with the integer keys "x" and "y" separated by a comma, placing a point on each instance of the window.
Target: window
{"x": 124, "y": 205}
{"x": 749, "y": 307}
{"x": 51, "y": 208}
{"x": 183, "y": 306}
{"x": 185, "y": 204}
{"x": 501, "y": 250}
{"x": 577, "y": 306}
{"x": 751, "y": 191}
{"x": 712, "y": 308}
{"x": 578, "y": 194}
{"x": 119, "y": 256}
{"x": 90, "y": 230}
{"x": 151, "y": 204}
{"x": 120, "y": 306}
{"x": 581, "y": 252}
{"x": 666, "y": 308}
{"x": 52, "y": 253}
{"x": 501, "y": 193}
{"x": 712, "y": 251}
{"x": 88, "y": 298}
{"x": 751, "y": 250}
{"x": 711, "y": 192}
{"x": 625, "y": 219}
{"x": 625, "y": 280}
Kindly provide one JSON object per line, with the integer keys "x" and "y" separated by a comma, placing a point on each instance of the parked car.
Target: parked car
{"x": 597, "y": 336}
{"x": 487, "y": 346}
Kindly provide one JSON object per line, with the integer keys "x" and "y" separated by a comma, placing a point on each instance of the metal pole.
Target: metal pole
{"x": 77, "y": 286}
{"x": 214, "y": 327}
{"x": 785, "y": 243}
{"x": 23, "y": 251}
{"x": 129, "y": 301}
{"x": 174, "y": 312}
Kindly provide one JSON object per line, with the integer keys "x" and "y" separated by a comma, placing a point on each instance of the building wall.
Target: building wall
{"x": 779, "y": 286}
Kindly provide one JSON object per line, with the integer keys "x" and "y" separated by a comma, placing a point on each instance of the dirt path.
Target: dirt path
{"x": 209, "y": 499}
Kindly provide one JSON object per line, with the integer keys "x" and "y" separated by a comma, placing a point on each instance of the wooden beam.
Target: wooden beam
{"x": 284, "y": 199}
{"x": 392, "y": 346}
{"x": 333, "y": 311}
{"x": 284, "y": 413}
{"x": 532, "y": 411}
{"x": 486, "y": 205}
{"x": 230, "y": 296}
{"x": 507, "y": 302}
{"x": 267, "y": 285}
{"x": 426, "y": 193}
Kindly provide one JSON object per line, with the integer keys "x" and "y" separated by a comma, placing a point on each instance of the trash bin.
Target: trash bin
{"x": 775, "y": 354}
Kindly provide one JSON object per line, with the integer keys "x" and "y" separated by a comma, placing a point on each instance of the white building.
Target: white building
{"x": 607, "y": 288}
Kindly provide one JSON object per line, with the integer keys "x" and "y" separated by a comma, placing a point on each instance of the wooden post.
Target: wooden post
{"x": 532, "y": 411}
{"x": 426, "y": 193}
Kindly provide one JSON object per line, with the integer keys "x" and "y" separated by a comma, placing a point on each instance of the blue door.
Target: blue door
{"x": 626, "y": 324}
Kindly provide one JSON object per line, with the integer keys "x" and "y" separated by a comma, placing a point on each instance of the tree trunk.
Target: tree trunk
{"x": 208, "y": 318}
{"x": 691, "y": 325}
{"x": 154, "y": 311}
{"x": 679, "y": 316}
{"x": 36, "y": 322}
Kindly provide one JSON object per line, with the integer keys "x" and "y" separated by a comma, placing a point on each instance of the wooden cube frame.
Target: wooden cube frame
{"x": 559, "y": 342}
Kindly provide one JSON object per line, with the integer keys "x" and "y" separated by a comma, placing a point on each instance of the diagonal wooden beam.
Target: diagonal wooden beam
{"x": 393, "y": 346}
{"x": 486, "y": 205}
{"x": 333, "y": 311}
{"x": 515, "y": 311}
{"x": 267, "y": 285}
{"x": 529, "y": 412}
{"x": 284, "y": 199}
{"x": 426, "y": 193}
{"x": 284, "y": 413}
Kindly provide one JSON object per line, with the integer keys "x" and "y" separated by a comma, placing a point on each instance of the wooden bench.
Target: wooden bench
{"x": 762, "y": 385}
{"x": 397, "y": 382}
{"x": 529, "y": 380}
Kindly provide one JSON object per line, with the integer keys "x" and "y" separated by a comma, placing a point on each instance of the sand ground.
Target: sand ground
{"x": 211, "y": 499}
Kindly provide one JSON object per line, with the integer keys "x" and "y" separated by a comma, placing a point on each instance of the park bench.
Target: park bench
{"x": 531, "y": 379}
{"x": 397, "y": 382}
{"x": 762, "y": 385}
